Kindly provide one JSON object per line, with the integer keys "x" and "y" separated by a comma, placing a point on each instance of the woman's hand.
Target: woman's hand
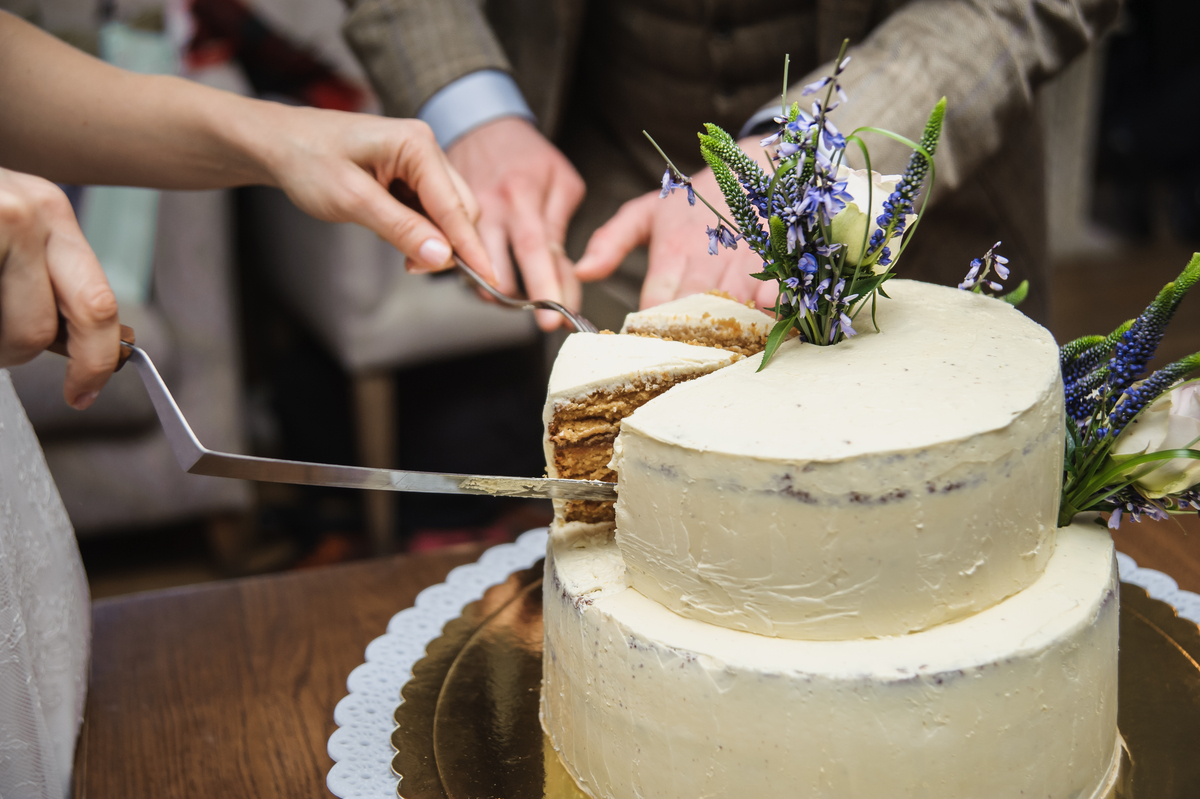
{"x": 46, "y": 266}
{"x": 339, "y": 167}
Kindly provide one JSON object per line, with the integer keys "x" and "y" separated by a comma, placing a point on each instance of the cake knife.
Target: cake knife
{"x": 195, "y": 458}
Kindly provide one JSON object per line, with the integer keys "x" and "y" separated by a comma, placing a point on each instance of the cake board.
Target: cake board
{"x": 468, "y": 723}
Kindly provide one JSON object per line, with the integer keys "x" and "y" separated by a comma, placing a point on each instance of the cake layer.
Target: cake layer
{"x": 711, "y": 320}
{"x": 884, "y": 485}
{"x": 596, "y": 382}
{"x": 1018, "y": 700}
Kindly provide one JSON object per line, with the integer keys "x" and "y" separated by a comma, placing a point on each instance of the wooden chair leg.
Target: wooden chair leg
{"x": 375, "y": 420}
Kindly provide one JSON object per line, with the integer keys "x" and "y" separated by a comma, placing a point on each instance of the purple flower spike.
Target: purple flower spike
{"x": 666, "y": 183}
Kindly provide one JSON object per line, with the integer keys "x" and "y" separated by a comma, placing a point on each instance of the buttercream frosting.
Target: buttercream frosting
{"x": 890, "y": 483}
{"x": 1017, "y": 700}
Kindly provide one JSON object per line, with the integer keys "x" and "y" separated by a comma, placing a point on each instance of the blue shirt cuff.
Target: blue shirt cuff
{"x": 471, "y": 101}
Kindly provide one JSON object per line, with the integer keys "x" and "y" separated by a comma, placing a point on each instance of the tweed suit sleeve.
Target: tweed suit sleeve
{"x": 987, "y": 57}
{"x": 410, "y": 49}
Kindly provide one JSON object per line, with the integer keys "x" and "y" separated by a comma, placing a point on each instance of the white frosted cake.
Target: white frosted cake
{"x": 840, "y": 577}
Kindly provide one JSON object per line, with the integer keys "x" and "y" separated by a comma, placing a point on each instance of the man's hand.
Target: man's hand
{"x": 674, "y": 231}
{"x": 527, "y": 191}
{"x": 46, "y": 266}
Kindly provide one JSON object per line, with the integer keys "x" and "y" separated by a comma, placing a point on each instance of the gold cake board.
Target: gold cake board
{"x": 468, "y": 726}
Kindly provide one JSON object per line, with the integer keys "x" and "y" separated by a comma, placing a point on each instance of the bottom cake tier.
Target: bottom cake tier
{"x": 1017, "y": 700}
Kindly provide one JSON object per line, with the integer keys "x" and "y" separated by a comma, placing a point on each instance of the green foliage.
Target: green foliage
{"x": 918, "y": 164}
{"x": 1104, "y": 403}
{"x": 776, "y": 337}
{"x": 1017, "y": 295}
{"x": 778, "y": 238}
{"x": 726, "y": 148}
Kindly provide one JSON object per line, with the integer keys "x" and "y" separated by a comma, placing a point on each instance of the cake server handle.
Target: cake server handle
{"x": 195, "y": 458}
{"x": 59, "y": 345}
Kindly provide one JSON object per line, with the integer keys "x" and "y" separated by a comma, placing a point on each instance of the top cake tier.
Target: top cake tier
{"x": 881, "y": 486}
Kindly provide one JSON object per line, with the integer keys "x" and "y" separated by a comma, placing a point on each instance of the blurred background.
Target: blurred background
{"x": 285, "y": 337}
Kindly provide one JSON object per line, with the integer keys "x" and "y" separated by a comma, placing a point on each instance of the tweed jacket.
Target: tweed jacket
{"x": 988, "y": 58}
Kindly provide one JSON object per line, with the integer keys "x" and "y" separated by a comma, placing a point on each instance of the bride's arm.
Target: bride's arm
{"x": 71, "y": 118}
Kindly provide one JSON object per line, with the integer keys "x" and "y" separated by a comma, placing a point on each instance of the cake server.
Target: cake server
{"x": 195, "y": 458}
{"x": 578, "y": 321}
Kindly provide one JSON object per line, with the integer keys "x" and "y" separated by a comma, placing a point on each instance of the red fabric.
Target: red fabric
{"x": 228, "y": 30}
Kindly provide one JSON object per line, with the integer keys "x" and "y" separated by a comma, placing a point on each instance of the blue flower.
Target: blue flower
{"x": 787, "y": 149}
{"x": 723, "y": 236}
{"x": 832, "y": 138}
{"x": 977, "y": 276}
{"x": 816, "y": 86}
{"x": 774, "y": 137}
{"x": 669, "y": 185}
{"x": 827, "y": 198}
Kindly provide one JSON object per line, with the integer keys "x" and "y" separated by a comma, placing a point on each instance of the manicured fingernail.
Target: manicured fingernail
{"x": 84, "y": 400}
{"x": 434, "y": 252}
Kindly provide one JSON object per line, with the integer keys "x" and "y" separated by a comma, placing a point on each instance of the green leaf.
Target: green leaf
{"x": 762, "y": 276}
{"x": 1017, "y": 295}
{"x": 1100, "y": 482}
{"x": 1072, "y": 445}
{"x": 778, "y": 333}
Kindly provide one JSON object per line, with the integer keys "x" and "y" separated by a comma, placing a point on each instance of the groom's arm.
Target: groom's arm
{"x": 411, "y": 49}
{"x": 987, "y": 58}
{"x": 440, "y": 61}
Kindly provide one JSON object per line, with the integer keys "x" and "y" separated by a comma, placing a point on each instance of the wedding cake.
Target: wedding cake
{"x": 838, "y": 576}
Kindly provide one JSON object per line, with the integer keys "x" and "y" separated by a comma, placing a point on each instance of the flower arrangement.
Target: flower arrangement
{"x": 828, "y": 235}
{"x": 1131, "y": 441}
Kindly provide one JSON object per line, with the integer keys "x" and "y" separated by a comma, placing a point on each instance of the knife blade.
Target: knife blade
{"x": 195, "y": 458}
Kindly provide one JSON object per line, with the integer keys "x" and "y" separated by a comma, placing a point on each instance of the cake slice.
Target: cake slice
{"x": 709, "y": 320}
{"x": 598, "y": 380}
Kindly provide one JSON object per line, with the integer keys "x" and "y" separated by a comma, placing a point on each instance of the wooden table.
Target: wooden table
{"x": 228, "y": 689}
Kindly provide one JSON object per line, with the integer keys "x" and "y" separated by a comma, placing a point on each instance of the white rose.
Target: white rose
{"x": 1171, "y": 422}
{"x": 850, "y": 226}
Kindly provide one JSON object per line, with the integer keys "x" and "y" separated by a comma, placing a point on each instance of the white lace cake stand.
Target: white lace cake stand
{"x": 361, "y": 745}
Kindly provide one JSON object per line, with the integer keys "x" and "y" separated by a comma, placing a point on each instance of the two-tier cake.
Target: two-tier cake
{"x": 835, "y": 577}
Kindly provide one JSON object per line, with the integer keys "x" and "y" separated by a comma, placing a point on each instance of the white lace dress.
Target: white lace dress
{"x": 45, "y": 618}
